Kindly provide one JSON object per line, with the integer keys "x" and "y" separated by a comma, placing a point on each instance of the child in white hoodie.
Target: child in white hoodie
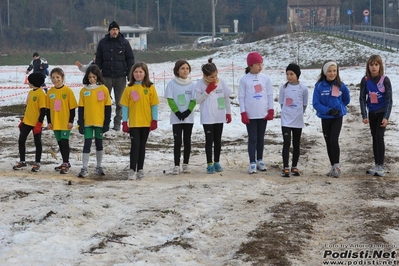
{"x": 255, "y": 96}
{"x": 212, "y": 94}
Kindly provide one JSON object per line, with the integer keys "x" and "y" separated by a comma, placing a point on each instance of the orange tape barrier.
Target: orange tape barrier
{"x": 27, "y": 87}
{"x": 13, "y": 95}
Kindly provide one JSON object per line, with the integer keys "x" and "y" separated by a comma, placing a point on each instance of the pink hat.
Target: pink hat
{"x": 254, "y": 58}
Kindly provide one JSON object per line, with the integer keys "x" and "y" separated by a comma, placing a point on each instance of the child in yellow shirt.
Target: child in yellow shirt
{"x": 33, "y": 120}
{"x": 61, "y": 104}
{"x": 94, "y": 116}
{"x": 139, "y": 115}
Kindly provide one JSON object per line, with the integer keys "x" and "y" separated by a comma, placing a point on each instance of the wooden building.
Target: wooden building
{"x": 313, "y": 13}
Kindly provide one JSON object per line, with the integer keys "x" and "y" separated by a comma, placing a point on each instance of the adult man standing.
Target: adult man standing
{"x": 38, "y": 65}
{"x": 115, "y": 58}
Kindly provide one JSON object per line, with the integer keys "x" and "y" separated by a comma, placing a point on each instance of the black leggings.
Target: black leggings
{"x": 88, "y": 142}
{"x": 64, "y": 149}
{"x": 331, "y": 130}
{"x": 256, "y": 139}
{"x": 377, "y": 132}
{"x": 296, "y": 142}
{"x": 213, "y": 137}
{"x": 24, "y": 132}
{"x": 138, "y": 139}
{"x": 178, "y": 129}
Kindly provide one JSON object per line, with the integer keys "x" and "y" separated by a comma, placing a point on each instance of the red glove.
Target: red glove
{"x": 20, "y": 123}
{"x": 154, "y": 125}
{"x": 228, "y": 118}
{"x": 211, "y": 87}
{"x": 270, "y": 115}
{"x": 244, "y": 118}
{"x": 125, "y": 128}
{"x": 38, "y": 128}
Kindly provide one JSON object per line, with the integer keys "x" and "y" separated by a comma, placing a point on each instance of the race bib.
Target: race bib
{"x": 221, "y": 103}
{"x": 335, "y": 91}
{"x": 181, "y": 99}
{"x": 288, "y": 101}
{"x": 373, "y": 97}
{"x": 258, "y": 88}
{"x": 100, "y": 96}
{"x": 57, "y": 105}
{"x": 135, "y": 96}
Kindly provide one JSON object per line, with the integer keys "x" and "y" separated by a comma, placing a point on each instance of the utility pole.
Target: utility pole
{"x": 383, "y": 20}
{"x": 370, "y": 14}
{"x": 296, "y": 28}
{"x": 157, "y": 1}
{"x": 213, "y": 22}
{"x": 8, "y": 12}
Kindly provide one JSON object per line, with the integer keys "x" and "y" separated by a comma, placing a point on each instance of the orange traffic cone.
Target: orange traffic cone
{"x": 26, "y": 80}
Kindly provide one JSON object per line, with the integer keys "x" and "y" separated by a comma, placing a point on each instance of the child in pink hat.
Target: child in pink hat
{"x": 255, "y": 96}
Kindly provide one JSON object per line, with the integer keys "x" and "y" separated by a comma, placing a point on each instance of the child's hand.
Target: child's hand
{"x": 244, "y": 118}
{"x": 38, "y": 128}
{"x": 211, "y": 87}
{"x": 154, "y": 125}
{"x": 384, "y": 122}
{"x": 50, "y": 126}
{"x": 334, "y": 112}
{"x": 20, "y": 123}
{"x": 228, "y": 118}
{"x": 70, "y": 126}
{"x": 81, "y": 130}
{"x": 270, "y": 115}
{"x": 365, "y": 121}
{"x": 125, "y": 127}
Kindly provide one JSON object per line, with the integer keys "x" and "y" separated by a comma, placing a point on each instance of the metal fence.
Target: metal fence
{"x": 343, "y": 31}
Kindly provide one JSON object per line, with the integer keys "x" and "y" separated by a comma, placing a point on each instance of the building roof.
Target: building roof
{"x": 123, "y": 29}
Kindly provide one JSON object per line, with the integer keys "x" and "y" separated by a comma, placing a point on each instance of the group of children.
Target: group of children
{"x": 140, "y": 113}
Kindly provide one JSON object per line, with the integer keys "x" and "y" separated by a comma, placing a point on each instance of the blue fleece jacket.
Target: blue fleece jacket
{"x": 323, "y": 100}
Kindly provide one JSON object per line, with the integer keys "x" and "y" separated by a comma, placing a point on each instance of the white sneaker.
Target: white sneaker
{"x": 83, "y": 172}
{"x": 372, "y": 170}
{"x": 140, "y": 174}
{"x": 176, "y": 170}
{"x": 132, "y": 175}
{"x": 260, "y": 165}
{"x": 330, "y": 173}
{"x": 185, "y": 168}
{"x": 336, "y": 172}
{"x": 380, "y": 170}
{"x": 100, "y": 171}
{"x": 252, "y": 168}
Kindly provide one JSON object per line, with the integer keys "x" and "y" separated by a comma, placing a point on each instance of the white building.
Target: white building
{"x": 136, "y": 35}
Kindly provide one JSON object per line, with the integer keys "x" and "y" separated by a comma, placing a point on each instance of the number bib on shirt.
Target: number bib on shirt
{"x": 221, "y": 103}
{"x": 181, "y": 99}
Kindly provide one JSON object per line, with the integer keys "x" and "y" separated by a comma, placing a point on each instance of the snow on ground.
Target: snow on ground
{"x": 230, "y": 218}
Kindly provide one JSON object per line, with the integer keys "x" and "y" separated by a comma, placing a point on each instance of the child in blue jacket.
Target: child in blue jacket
{"x": 330, "y": 98}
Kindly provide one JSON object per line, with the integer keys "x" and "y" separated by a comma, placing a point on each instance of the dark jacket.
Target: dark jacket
{"x": 384, "y": 103}
{"x": 39, "y": 65}
{"x": 114, "y": 56}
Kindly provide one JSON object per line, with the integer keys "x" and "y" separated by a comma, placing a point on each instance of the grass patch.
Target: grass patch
{"x": 12, "y": 110}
